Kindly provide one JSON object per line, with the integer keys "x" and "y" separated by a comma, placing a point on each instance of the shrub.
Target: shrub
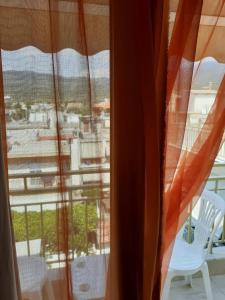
{"x": 47, "y": 226}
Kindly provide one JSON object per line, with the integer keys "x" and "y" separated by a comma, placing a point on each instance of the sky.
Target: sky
{"x": 69, "y": 62}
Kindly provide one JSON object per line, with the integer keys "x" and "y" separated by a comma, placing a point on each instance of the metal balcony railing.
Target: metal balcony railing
{"x": 95, "y": 194}
{"x": 71, "y": 198}
{"x": 216, "y": 184}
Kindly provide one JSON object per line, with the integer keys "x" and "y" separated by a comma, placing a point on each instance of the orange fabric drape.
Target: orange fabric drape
{"x": 55, "y": 77}
{"x": 187, "y": 167}
{"x": 9, "y": 269}
{"x": 25, "y": 23}
{"x": 55, "y": 62}
{"x": 138, "y": 86}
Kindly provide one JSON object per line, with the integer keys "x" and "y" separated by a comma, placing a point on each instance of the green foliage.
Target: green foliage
{"x": 17, "y": 106}
{"x": 82, "y": 218}
{"x": 84, "y": 110}
{"x": 37, "y": 87}
{"x": 92, "y": 193}
{"x": 19, "y": 114}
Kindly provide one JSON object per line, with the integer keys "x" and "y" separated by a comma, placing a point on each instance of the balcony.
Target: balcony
{"x": 35, "y": 204}
{"x": 197, "y": 291}
{"x": 46, "y": 186}
{"x": 95, "y": 239}
{"x": 216, "y": 259}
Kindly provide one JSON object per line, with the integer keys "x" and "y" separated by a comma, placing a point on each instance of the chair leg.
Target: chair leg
{"x": 166, "y": 288}
{"x": 206, "y": 280}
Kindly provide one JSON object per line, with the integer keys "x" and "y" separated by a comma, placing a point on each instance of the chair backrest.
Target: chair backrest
{"x": 212, "y": 210}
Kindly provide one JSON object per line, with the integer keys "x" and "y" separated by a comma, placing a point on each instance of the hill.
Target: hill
{"x": 39, "y": 87}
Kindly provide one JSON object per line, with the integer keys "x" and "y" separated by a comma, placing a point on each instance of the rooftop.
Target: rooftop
{"x": 37, "y": 149}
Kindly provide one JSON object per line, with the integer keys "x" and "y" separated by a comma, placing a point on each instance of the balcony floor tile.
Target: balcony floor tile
{"x": 198, "y": 291}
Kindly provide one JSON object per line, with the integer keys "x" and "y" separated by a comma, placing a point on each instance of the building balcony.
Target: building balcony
{"x": 35, "y": 199}
{"x": 36, "y": 202}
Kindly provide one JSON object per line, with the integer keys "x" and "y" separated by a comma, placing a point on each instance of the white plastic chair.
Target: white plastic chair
{"x": 188, "y": 259}
{"x": 33, "y": 276}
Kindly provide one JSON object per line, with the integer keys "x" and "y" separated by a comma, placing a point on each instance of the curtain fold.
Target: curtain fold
{"x": 138, "y": 85}
{"x": 211, "y": 10}
{"x": 180, "y": 72}
{"x": 188, "y": 163}
{"x": 10, "y": 288}
{"x": 55, "y": 111}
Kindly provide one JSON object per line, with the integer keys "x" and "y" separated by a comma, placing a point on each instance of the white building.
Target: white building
{"x": 201, "y": 101}
{"x": 38, "y": 116}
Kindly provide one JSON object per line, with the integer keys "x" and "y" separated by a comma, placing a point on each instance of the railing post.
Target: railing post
{"x": 223, "y": 233}
{"x": 25, "y": 183}
{"x": 57, "y": 229}
{"x": 86, "y": 227}
{"x": 189, "y": 237}
{"x": 42, "y": 229}
{"x": 27, "y": 231}
{"x": 71, "y": 222}
{"x": 100, "y": 222}
{"x": 216, "y": 185}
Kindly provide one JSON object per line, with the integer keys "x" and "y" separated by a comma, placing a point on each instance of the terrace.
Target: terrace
{"x": 96, "y": 240}
{"x": 35, "y": 218}
{"x": 216, "y": 257}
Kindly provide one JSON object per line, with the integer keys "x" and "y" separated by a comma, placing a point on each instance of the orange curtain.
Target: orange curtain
{"x": 55, "y": 120}
{"x": 138, "y": 85}
{"x": 195, "y": 109}
{"x": 9, "y": 270}
{"x": 55, "y": 117}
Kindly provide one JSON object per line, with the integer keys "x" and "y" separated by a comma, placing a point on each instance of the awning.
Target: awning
{"x": 33, "y": 23}
{"x": 211, "y": 35}
{"x": 52, "y": 28}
